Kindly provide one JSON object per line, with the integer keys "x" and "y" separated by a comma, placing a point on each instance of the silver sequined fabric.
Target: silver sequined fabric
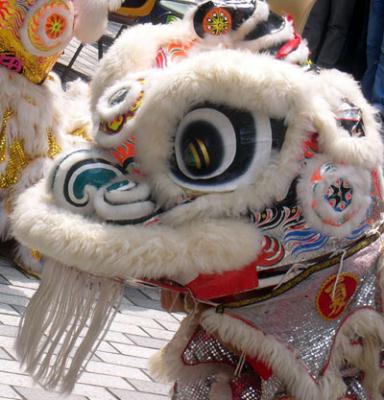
{"x": 356, "y": 390}
{"x": 294, "y": 317}
{"x": 204, "y": 348}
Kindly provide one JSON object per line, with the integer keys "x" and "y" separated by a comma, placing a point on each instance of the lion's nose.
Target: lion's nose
{"x": 124, "y": 202}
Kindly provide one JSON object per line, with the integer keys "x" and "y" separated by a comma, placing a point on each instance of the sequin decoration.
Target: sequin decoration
{"x": 7, "y": 115}
{"x": 204, "y": 348}
{"x": 48, "y": 27}
{"x": 16, "y": 157}
{"x": 246, "y": 387}
{"x": 53, "y": 147}
{"x": 18, "y": 161}
{"x": 217, "y": 21}
{"x": 36, "y": 255}
{"x": 198, "y": 390}
{"x": 339, "y": 194}
{"x": 82, "y": 132}
{"x": 294, "y": 319}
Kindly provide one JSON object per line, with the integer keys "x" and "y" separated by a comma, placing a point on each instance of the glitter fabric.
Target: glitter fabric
{"x": 7, "y": 115}
{"x": 204, "y": 348}
{"x": 33, "y": 35}
{"x": 246, "y": 387}
{"x": 196, "y": 390}
{"x": 14, "y": 156}
{"x": 308, "y": 326}
{"x": 355, "y": 390}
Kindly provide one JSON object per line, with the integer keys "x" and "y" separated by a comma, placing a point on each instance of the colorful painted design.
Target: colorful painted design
{"x": 113, "y": 127}
{"x": 55, "y": 26}
{"x": 272, "y": 218}
{"x": 339, "y": 195}
{"x": 335, "y": 294}
{"x": 171, "y": 53}
{"x": 33, "y": 34}
{"x": 217, "y": 21}
{"x": 304, "y": 240}
{"x": 311, "y": 146}
{"x": 272, "y": 252}
{"x": 125, "y": 152}
{"x": 11, "y": 62}
{"x": 4, "y": 11}
{"x": 48, "y": 28}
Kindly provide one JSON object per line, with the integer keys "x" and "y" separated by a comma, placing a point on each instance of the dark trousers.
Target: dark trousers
{"x": 327, "y": 30}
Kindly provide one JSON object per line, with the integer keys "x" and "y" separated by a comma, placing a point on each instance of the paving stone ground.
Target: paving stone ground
{"x": 119, "y": 368}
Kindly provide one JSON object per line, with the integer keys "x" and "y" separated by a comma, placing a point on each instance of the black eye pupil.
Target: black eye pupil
{"x": 202, "y": 148}
{"x": 119, "y": 96}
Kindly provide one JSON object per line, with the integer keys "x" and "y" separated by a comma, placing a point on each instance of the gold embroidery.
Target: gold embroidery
{"x": 339, "y": 300}
{"x": 8, "y": 114}
{"x": 53, "y": 147}
{"x": 82, "y": 132}
{"x": 18, "y": 160}
{"x": 36, "y": 255}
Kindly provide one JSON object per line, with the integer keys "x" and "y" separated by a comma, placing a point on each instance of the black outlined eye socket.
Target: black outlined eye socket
{"x": 218, "y": 147}
{"x": 205, "y": 144}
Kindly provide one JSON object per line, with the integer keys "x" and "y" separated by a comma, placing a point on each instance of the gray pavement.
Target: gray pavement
{"x": 119, "y": 368}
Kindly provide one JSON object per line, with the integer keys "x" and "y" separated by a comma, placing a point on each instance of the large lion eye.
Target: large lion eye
{"x": 216, "y": 146}
{"x": 205, "y": 144}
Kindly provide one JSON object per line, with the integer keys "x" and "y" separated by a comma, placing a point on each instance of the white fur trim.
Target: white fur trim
{"x": 131, "y": 251}
{"x": 91, "y": 17}
{"x": 365, "y": 323}
{"x": 320, "y": 215}
{"x": 367, "y": 152}
{"x": 135, "y": 51}
{"x": 106, "y": 112}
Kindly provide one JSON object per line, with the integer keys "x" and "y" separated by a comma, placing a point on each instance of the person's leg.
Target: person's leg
{"x": 374, "y": 42}
{"x": 336, "y": 33}
{"x": 315, "y": 26}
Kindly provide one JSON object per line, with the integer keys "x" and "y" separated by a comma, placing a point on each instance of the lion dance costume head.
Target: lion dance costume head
{"x": 241, "y": 181}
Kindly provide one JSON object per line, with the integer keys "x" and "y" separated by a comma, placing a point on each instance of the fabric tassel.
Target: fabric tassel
{"x": 64, "y": 323}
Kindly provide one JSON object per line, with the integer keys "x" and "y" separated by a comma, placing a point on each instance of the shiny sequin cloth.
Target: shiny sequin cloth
{"x": 308, "y": 316}
{"x": 306, "y": 319}
{"x": 203, "y": 348}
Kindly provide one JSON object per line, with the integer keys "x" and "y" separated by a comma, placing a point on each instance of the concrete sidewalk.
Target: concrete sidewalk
{"x": 119, "y": 368}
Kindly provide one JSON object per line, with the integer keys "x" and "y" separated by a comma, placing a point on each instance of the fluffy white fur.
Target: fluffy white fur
{"x": 126, "y": 56}
{"x": 131, "y": 251}
{"x": 267, "y": 86}
{"x": 91, "y": 17}
{"x": 360, "y": 181}
{"x": 107, "y": 112}
{"x": 367, "y": 151}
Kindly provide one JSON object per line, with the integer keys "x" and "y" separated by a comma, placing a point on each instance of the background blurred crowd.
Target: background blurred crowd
{"x": 349, "y": 35}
